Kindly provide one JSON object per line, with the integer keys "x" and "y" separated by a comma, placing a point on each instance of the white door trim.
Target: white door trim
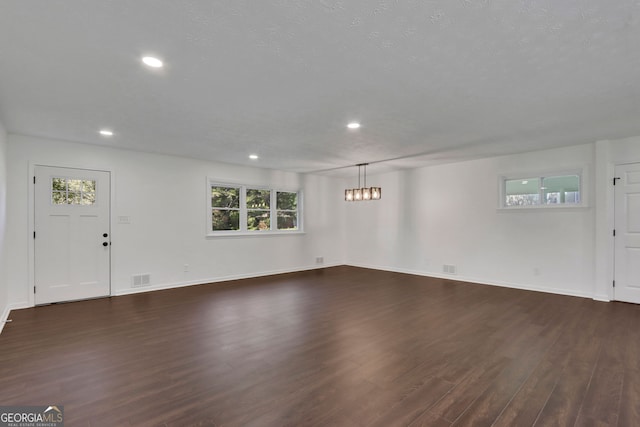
{"x": 619, "y": 287}
{"x": 607, "y": 158}
{"x": 32, "y": 214}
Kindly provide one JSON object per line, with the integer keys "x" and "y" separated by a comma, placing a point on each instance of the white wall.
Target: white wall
{"x": 4, "y": 289}
{"x": 449, "y": 214}
{"x": 428, "y": 217}
{"x": 165, "y": 198}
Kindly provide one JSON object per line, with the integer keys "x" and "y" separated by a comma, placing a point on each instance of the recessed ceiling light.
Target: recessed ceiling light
{"x": 253, "y": 156}
{"x": 106, "y": 132}
{"x": 152, "y": 61}
{"x": 353, "y": 125}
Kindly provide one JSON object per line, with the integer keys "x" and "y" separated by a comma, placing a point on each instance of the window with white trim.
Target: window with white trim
{"x": 287, "y": 210}
{"x": 240, "y": 209}
{"x": 258, "y": 204}
{"x": 542, "y": 190}
{"x": 225, "y": 208}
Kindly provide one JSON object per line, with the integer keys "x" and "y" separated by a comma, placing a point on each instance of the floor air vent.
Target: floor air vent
{"x": 451, "y": 269}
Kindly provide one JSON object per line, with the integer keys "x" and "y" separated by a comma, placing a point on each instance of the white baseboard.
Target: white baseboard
{"x": 457, "y": 278}
{"x": 129, "y": 291}
{"x": 5, "y": 317}
{"x": 163, "y": 286}
{"x": 7, "y": 312}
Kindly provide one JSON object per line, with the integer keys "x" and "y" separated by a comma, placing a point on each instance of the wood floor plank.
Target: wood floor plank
{"x": 601, "y": 404}
{"x": 566, "y": 399}
{"x": 629, "y": 412}
{"x": 527, "y": 402}
{"x": 408, "y": 410}
{"x": 456, "y": 402}
{"x": 560, "y": 337}
{"x": 341, "y": 346}
{"x": 486, "y": 408}
{"x": 427, "y": 419}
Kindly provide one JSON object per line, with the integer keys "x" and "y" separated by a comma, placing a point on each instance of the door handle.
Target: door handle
{"x": 105, "y": 244}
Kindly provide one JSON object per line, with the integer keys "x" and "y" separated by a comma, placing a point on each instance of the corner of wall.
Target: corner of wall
{"x": 448, "y": 225}
{"x": 603, "y": 222}
{"x": 4, "y": 288}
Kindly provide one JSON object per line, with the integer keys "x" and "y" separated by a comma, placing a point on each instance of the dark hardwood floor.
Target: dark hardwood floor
{"x": 340, "y": 346}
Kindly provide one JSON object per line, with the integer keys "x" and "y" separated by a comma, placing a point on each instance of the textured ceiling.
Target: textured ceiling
{"x": 430, "y": 81}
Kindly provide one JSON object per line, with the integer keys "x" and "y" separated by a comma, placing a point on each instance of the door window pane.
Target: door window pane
{"x": 59, "y": 184}
{"x": 74, "y": 198}
{"x": 59, "y": 198}
{"x": 66, "y": 191}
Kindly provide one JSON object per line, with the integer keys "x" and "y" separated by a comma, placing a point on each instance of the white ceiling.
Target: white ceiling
{"x": 430, "y": 81}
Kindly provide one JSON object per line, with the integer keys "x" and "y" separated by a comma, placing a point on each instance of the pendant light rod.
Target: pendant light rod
{"x": 365, "y": 174}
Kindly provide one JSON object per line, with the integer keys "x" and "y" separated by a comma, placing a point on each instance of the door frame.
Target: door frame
{"x": 607, "y": 155}
{"x": 612, "y": 260}
{"x": 32, "y": 219}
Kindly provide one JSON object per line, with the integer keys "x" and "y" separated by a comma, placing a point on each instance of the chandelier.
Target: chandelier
{"x": 362, "y": 193}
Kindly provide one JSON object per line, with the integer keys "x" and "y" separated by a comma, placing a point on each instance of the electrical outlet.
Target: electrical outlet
{"x": 319, "y": 260}
{"x": 186, "y": 268}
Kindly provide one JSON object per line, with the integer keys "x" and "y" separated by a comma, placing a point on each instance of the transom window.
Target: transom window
{"x": 552, "y": 190}
{"x": 242, "y": 208}
{"x": 66, "y": 191}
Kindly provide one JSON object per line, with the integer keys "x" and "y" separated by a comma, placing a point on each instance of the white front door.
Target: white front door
{"x": 72, "y": 236}
{"x": 627, "y": 233}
